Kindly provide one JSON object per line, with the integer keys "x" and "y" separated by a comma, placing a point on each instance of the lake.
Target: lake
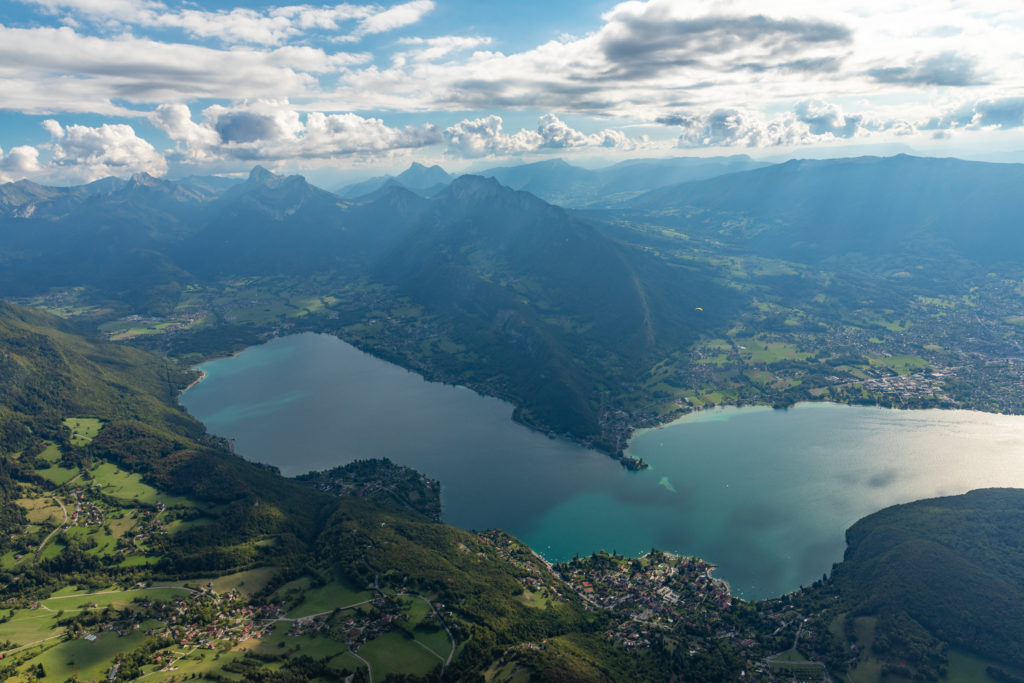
{"x": 764, "y": 494}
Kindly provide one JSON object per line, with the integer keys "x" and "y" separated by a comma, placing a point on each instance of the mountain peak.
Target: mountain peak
{"x": 27, "y": 185}
{"x": 261, "y": 175}
{"x": 420, "y": 177}
{"x": 143, "y": 179}
{"x": 469, "y": 185}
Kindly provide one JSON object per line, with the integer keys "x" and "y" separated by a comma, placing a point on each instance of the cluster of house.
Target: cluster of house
{"x": 649, "y": 595}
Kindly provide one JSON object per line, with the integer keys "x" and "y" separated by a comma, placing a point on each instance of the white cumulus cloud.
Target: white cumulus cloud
{"x": 485, "y": 137}
{"x": 395, "y": 17}
{"x": 810, "y": 122}
{"x": 88, "y": 153}
{"x": 19, "y": 162}
{"x": 274, "y": 130}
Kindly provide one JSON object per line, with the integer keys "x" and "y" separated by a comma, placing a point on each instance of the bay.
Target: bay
{"x": 764, "y": 494}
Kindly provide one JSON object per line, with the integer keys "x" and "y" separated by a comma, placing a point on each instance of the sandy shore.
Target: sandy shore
{"x": 197, "y": 380}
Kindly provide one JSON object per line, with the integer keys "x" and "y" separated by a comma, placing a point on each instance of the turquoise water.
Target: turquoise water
{"x": 766, "y": 495}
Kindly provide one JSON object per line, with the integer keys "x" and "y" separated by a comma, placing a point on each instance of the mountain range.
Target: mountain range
{"x": 426, "y": 180}
{"x": 553, "y": 299}
{"x": 889, "y": 208}
{"x": 557, "y": 310}
{"x": 559, "y": 182}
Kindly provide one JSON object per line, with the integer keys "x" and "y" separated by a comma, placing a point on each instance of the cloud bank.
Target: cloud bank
{"x": 485, "y": 137}
{"x": 317, "y": 82}
{"x": 271, "y": 26}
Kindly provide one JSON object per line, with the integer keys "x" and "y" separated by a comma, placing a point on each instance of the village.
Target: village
{"x": 665, "y": 600}
{"x": 200, "y": 618}
{"x": 657, "y": 592}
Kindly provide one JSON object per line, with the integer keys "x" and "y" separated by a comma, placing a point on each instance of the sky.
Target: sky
{"x": 94, "y": 88}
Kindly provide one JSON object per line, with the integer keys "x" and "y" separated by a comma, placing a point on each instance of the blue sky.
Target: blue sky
{"x": 90, "y": 88}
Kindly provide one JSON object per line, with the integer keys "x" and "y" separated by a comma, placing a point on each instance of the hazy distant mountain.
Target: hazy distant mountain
{"x": 267, "y": 224}
{"x": 902, "y": 206}
{"x": 547, "y": 299}
{"x": 106, "y": 200}
{"x": 552, "y": 180}
{"x": 640, "y": 175}
{"x": 558, "y": 182}
{"x": 363, "y": 187}
{"x": 114, "y": 236}
{"x": 425, "y": 180}
{"x": 561, "y": 183}
{"x": 380, "y": 221}
{"x": 420, "y": 177}
{"x": 23, "y": 198}
{"x": 213, "y": 184}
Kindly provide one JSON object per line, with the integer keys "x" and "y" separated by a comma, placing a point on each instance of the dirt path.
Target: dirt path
{"x": 369, "y": 669}
{"x": 450, "y": 636}
{"x": 62, "y": 526}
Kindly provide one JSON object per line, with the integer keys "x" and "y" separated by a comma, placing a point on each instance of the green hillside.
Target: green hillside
{"x": 109, "y": 491}
{"x": 941, "y": 571}
{"x": 134, "y": 544}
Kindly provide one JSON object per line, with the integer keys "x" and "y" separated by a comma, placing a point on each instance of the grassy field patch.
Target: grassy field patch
{"x": 891, "y": 325}
{"x": 117, "y": 483}
{"x": 105, "y": 542}
{"x": 345, "y": 661}
{"x": 111, "y": 597}
{"x": 335, "y": 594}
{"x": 964, "y": 666}
{"x": 43, "y": 510}
{"x": 757, "y": 350}
{"x": 57, "y": 474}
{"x": 393, "y": 653}
{"x": 790, "y": 656}
{"x": 119, "y": 526}
{"x": 28, "y": 625}
{"x": 317, "y": 647}
{"x": 248, "y": 582}
{"x": 901, "y": 363}
{"x": 51, "y": 453}
{"x": 137, "y": 561}
{"x": 89, "y": 660}
{"x": 436, "y": 639}
{"x": 83, "y": 429}
{"x": 507, "y": 673}
{"x": 52, "y": 549}
{"x": 531, "y": 599}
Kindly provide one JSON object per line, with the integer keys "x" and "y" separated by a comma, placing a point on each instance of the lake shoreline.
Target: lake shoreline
{"x": 766, "y": 495}
{"x": 625, "y": 435}
{"x": 202, "y": 375}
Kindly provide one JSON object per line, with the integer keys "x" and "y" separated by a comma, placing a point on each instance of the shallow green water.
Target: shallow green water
{"x": 764, "y": 494}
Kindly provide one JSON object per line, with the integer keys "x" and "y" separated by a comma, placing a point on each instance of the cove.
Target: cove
{"x": 766, "y": 495}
